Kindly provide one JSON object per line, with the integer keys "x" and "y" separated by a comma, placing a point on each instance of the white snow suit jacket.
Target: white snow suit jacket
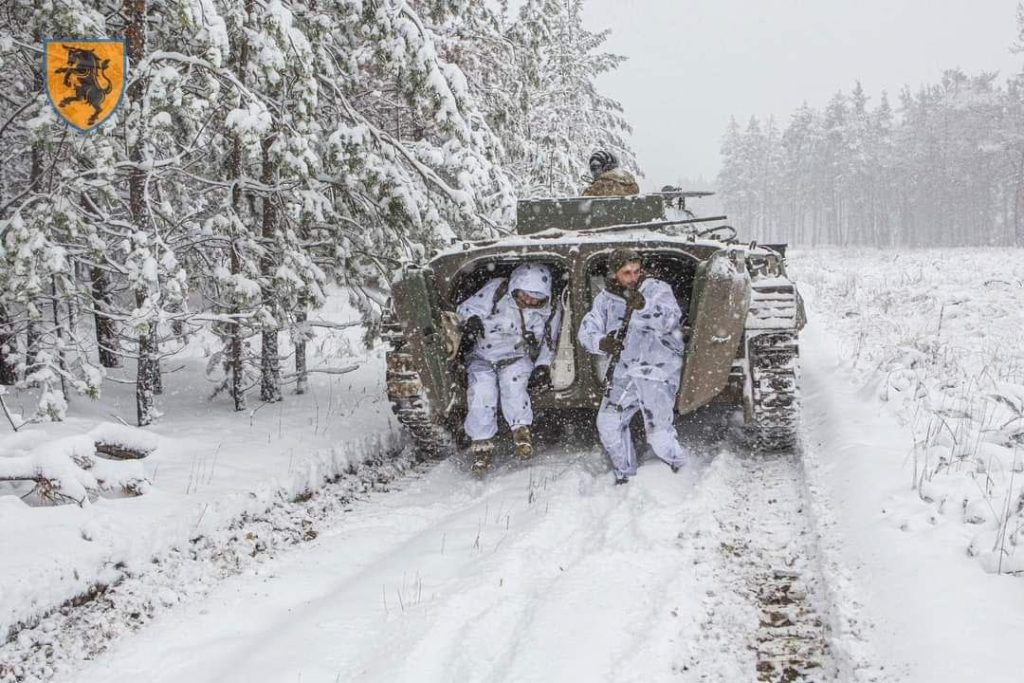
{"x": 653, "y": 348}
{"x": 504, "y": 339}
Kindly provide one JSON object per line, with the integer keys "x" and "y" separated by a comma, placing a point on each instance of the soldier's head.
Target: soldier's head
{"x": 601, "y": 161}
{"x": 530, "y": 284}
{"x": 625, "y": 268}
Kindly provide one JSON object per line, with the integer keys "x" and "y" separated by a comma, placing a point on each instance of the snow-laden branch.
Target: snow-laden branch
{"x": 333, "y": 326}
{"x": 344, "y": 370}
{"x": 68, "y": 470}
{"x": 384, "y": 139}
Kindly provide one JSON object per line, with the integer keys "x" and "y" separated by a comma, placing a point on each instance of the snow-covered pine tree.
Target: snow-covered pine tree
{"x": 800, "y": 143}
{"x": 743, "y": 178}
{"x": 143, "y": 280}
{"x": 1013, "y": 178}
{"x": 289, "y": 189}
{"x": 881, "y": 166}
{"x": 409, "y": 159}
{"x": 234, "y": 285}
{"x": 40, "y": 226}
{"x": 730, "y": 174}
{"x": 565, "y": 116}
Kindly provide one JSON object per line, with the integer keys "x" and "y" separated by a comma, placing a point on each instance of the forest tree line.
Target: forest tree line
{"x": 265, "y": 149}
{"x": 943, "y": 167}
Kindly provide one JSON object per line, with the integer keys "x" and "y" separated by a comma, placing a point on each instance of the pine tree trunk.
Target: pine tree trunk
{"x": 1018, "y": 204}
{"x": 236, "y": 350}
{"x": 106, "y": 328}
{"x": 33, "y": 331}
{"x": 301, "y": 376}
{"x": 144, "y": 401}
{"x": 270, "y": 368}
{"x": 236, "y": 347}
{"x": 156, "y": 377}
{"x": 58, "y": 331}
{"x": 136, "y": 35}
{"x": 33, "y": 339}
{"x": 73, "y": 306}
{"x": 270, "y": 363}
{"x": 8, "y": 375}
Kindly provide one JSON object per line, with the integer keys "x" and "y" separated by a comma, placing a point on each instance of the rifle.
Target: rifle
{"x": 613, "y": 360}
{"x": 457, "y": 364}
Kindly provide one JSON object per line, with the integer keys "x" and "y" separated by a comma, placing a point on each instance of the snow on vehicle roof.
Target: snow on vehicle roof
{"x": 638, "y": 237}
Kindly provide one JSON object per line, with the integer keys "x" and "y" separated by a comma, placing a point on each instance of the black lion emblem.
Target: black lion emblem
{"x": 83, "y": 71}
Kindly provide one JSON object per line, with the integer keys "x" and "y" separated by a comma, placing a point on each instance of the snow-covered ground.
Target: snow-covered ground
{"x": 883, "y": 551}
{"x": 912, "y": 394}
{"x": 210, "y": 468}
{"x": 542, "y": 573}
{"x": 937, "y": 336}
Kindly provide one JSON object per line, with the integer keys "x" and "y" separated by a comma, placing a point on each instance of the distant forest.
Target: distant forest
{"x": 945, "y": 167}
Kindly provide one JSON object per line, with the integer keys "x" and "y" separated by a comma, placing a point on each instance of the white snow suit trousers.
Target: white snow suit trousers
{"x": 656, "y": 398}
{"x": 485, "y": 383}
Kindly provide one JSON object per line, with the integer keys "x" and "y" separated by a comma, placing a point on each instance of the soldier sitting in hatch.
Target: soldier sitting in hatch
{"x": 608, "y": 179}
{"x": 510, "y": 332}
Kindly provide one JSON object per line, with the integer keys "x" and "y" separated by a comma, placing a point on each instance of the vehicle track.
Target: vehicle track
{"x": 765, "y": 611}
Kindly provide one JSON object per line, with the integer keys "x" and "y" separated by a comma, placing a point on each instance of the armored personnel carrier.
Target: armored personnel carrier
{"x": 743, "y": 313}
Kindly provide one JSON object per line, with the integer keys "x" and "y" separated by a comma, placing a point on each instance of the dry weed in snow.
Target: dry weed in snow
{"x": 937, "y": 335}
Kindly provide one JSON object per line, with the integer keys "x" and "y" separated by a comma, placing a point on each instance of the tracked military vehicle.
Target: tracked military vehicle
{"x": 743, "y": 313}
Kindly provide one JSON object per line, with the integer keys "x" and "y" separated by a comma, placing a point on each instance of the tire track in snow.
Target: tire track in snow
{"x": 483, "y": 620}
{"x": 538, "y": 573}
{"x": 569, "y": 595}
{"x": 609, "y": 597}
{"x": 757, "y": 564}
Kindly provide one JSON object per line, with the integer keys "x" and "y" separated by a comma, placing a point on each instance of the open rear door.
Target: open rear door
{"x": 718, "y": 311}
{"x": 424, "y": 345}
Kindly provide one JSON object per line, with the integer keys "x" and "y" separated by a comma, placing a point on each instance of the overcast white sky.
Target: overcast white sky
{"x": 694, "y": 63}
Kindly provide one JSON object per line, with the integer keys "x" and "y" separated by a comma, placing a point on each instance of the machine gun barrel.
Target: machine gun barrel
{"x": 653, "y": 225}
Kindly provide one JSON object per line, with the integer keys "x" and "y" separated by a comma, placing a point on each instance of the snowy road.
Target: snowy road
{"x": 544, "y": 572}
{"x": 826, "y": 565}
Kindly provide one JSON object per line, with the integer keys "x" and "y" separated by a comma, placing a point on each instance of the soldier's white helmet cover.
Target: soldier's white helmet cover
{"x": 532, "y": 278}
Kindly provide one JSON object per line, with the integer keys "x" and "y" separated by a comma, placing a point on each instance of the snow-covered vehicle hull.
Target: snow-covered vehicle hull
{"x": 744, "y": 316}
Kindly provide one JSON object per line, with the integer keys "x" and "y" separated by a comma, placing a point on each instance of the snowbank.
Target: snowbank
{"x": 203, "y": 467}
{"x": 936, "y": 335}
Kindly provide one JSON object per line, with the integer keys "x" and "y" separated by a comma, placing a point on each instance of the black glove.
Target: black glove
{"x": 472, "y": 330}
{"x": 610, "y": 345}
{"x": 635, "y": 300}
{"x": 540, "y": 379}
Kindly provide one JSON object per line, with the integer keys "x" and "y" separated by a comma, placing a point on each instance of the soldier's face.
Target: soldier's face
{"x": 527, "y": 301}
{"x": 595, "y": 169}
{"x": 628, "y": 275}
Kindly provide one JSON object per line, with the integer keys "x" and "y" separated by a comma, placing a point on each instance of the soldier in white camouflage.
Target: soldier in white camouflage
{"x": 648, "y": 361}
{"x": 511, "y": 327}
{"x": 608, "y": 179}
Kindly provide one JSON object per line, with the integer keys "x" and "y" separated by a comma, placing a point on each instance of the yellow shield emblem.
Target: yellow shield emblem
{"x": 85, "y": 78}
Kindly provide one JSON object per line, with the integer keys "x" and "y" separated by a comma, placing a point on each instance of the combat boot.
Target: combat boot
{"x": 482, "y": 452}
{"x": 523, "y": 442}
